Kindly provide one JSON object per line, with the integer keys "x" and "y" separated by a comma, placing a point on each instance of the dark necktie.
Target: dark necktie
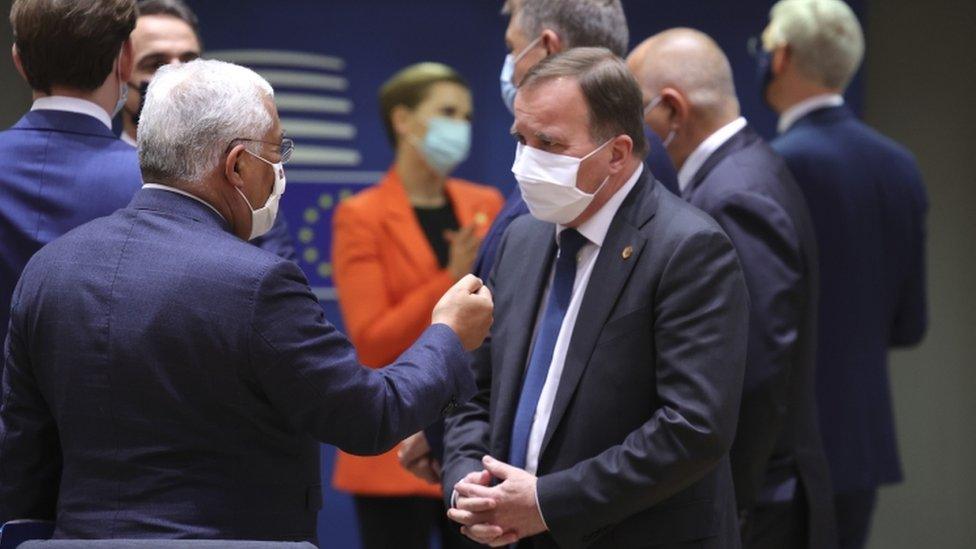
{"x": 561, "y": 291}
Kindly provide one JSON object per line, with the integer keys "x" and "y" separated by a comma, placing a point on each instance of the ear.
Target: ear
{"x": 126, "y": 61}
{"x": 552, "y": 42}
{"x": 230, "y": 166}
{"x": 620, "y": 151}
{"x": 677, "y": 105}
{"x": 782, "y": 59}
{"x": 15, "y": 54}
{"x": 401, "y": 118}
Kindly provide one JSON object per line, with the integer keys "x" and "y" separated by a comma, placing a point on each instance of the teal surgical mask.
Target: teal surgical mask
{"x": 447, "y": 143}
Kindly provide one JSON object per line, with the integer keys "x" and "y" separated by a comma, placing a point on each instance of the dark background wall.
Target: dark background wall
{"x": 915, "y": 87}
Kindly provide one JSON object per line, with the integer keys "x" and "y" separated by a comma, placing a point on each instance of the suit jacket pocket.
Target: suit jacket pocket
{"x": 635, "y": 324}
{"x": 694, "y": 520}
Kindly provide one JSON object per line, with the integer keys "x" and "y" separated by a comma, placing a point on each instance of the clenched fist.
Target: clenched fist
{"x": 467, "y": 309}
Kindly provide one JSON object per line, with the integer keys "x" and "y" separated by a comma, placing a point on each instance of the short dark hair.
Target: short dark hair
{"x": 409, "y": 88}
{"x": 172, "y": 8}
{"x": 612, "y": 96}
{"x": 70, "y": 43}
{"x": 579, "y": 23}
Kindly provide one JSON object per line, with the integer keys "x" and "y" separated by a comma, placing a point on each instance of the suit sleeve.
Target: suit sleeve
{"x": 378, "y": 326}
{"x": 911, "y": 317}
{"x": 700, "y": 319}
{"x": 30, "y": 450}
{"x": 278, "y": 240}
{"x": 768, "y": 247}
{"x": 310, "y": 372}
{"x": 467, "y": 432}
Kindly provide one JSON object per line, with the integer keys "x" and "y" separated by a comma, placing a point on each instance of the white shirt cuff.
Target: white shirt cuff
{"x": 537, "y": 506}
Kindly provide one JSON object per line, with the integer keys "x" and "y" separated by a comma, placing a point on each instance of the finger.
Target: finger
{"x": 499, "y": 469}
{"x": 469, "y": 284}
{"x": 478, "y": 477}
{"x": 484, "y": 292}
{"x": 475, "y": 505}
{"x": 467, "y": 532}
{"x": 469, "y": 490}
{"x": 486, "y": 531}
{"x": 467, "y": 518}
{"x": 504, "y": 540}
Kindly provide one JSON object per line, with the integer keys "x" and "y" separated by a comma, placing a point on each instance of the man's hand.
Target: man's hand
{"x": 414, "y": 456}
{"x": 500, "y": 515}
{"x": 467, "y": 309}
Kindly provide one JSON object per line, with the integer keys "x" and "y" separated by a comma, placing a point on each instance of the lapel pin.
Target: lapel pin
{"x": 627, "y": 253}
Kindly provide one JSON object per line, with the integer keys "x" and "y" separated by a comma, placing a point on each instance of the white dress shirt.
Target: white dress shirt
{"x": 128, "y": 140}
{"x": 184, "y": 193}
{"x": 595, "y": 231}
{"x": 793, "y": 114}
{"x": 700, "y": 155}
{"x": 72, "y": 104}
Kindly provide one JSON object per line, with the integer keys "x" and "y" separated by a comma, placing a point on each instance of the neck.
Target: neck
{"x": 798, "y": 91}
{"x": 104, "y": 96}
{"x": 424, "y": 186}
{"x": 128, "y": 125}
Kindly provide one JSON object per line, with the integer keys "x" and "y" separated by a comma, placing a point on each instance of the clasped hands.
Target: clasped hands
{"x": 497, "y": 515}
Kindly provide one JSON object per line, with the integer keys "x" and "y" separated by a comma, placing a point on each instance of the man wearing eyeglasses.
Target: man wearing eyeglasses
{"x": 164, "y": 379}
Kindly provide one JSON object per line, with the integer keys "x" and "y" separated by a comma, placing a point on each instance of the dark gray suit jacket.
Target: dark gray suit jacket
{"x": 636, "y": 452}
{"x": 747, "y": 188}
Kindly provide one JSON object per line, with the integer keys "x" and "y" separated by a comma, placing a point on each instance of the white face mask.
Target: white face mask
{"x": 672, "y": 133}
{"x": 263, "y": 218}
{"x": 548, "y": 183}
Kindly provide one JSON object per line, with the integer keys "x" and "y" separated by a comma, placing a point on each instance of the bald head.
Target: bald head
{"x": 691, "y": 63}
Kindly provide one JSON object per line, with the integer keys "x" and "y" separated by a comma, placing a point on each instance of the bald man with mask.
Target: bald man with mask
{"x": 779, "y": 469}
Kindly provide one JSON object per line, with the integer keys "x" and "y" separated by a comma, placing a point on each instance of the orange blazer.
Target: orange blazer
{"x": 388, "y": 281}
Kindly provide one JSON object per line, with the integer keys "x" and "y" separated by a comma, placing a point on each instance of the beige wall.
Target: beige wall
{"x": 921, "y": 91}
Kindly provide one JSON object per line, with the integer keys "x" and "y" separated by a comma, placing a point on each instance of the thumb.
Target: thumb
{"x": 499, "y": 469}
{"x": 469, "y": 284}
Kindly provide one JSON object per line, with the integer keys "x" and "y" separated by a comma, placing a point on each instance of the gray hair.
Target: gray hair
{"x": 192, "y": 114}
{"x": 612, "y": 96}
{"x": 579, "y": 23}
{"x": 824, "y": 36}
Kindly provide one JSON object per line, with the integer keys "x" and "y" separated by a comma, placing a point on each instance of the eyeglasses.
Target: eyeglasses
{"x": 285, "y": 148}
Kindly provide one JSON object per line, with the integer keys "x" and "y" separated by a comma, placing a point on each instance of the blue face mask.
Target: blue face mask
{"x": 508, "y": 71}
{"x": 508, "y": 88}
{"x": 446, "y": 144}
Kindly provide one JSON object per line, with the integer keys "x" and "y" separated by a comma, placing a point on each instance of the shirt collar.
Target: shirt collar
{"x": 793, "y": 114}
{"x": 72, "y": 104}
{"x": 184, "y": 193}
{"x": 595, "y": 228}
{"x": 700, "y": 155}
{"x": 128, "y": 140}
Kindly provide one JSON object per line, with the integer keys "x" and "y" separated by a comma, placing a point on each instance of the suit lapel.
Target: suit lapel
{"x": 402, "y": 225}
{"x": 740, "y": 140}
{"x": 607, "y": 281}
{"x": 531, "y": 277}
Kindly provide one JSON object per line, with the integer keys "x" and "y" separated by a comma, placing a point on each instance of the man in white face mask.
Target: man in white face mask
{"x": 610, "y": 386}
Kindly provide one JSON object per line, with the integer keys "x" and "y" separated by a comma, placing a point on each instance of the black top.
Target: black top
{"x": 434, "y": 221}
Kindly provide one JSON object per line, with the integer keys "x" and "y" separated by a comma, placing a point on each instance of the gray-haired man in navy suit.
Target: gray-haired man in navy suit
{"x": 164, "y": 379}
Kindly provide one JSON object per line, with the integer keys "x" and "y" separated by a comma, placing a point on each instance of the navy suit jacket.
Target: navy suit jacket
{"x": 59, "y": 170}
{"x": 868, "y": 205}
{"x": 166, "y": 379}
{"x": 748, "y": 190}
{"x": 636, "y": 450}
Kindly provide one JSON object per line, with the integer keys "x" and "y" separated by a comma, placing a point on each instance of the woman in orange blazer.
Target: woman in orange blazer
{"x": 397, "y": 247}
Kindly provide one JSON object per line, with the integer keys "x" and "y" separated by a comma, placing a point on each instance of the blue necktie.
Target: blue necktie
{"x": 561, "y": 291}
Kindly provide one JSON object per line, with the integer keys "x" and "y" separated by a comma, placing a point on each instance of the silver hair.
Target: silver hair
{"x": 579, "y": 23}
{"x": 192, "y": 114}
{"x": 824, "y": 36}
